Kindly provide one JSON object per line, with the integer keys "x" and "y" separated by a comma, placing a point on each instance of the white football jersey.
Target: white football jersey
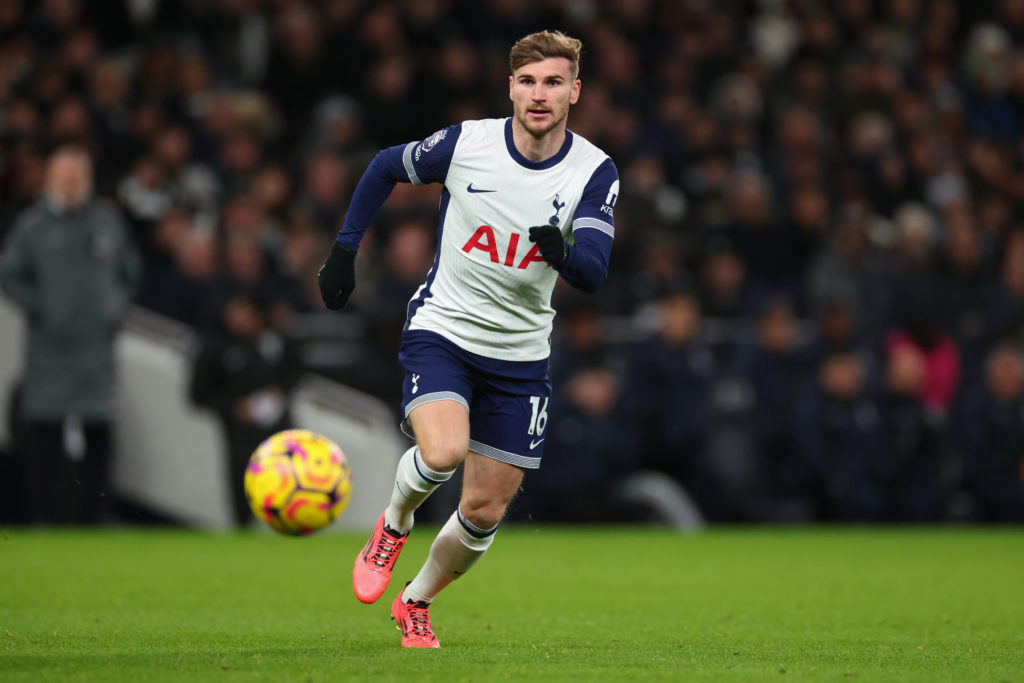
{"x": 489, "y": 291}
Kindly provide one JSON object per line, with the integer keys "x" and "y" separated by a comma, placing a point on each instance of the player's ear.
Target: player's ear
{"x": 511, "y": 83}
{"x": 575, "y": 94}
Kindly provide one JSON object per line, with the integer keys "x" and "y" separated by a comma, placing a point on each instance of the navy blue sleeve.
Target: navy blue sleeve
{"x": 418, "y": 162}
{"x": 593, "y": 228}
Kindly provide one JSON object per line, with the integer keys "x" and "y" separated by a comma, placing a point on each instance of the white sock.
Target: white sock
{"x": 457, "y": 547}
{"x": 414, "y": 482}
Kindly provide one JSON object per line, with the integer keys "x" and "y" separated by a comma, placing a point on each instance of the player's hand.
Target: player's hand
{"x": 552, "y": 245}
{"x": 337, "y": 277}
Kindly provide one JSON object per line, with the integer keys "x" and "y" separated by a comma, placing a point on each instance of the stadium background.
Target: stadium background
{"x": 817, "y": 285}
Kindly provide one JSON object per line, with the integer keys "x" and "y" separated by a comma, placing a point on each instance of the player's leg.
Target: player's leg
{"x": 442, "y": 441}
{"x": 436, "y": 403}
{"x": 508, "y": 422}
{"x": 488, "y": 486}
{"x": 507, "y": 437}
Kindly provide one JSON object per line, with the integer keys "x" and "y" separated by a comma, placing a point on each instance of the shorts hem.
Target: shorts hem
{"x": 436, "y": 396}
{"x": 428, "y": 398}
{"x": 515, "y": 459}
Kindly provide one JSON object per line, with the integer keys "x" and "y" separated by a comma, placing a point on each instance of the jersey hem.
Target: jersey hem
{"x": 481, "y": 350}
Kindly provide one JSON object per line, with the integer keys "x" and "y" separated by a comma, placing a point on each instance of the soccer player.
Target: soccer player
{"x": 524, "y": 202}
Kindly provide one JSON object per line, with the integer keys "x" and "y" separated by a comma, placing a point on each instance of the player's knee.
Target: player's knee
{"x": 442, "y": 457}
{"x": 484, "y": 513}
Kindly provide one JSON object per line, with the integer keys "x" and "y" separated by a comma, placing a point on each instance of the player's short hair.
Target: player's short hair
{"x": 539, "y": 46}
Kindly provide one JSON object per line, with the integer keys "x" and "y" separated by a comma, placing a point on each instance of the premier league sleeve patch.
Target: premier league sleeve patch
{"x": 429, "y": 143}
{"x": 428, "y": 160}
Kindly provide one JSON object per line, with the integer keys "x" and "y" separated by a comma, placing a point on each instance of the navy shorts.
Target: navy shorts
{"x": 507, "y": 400}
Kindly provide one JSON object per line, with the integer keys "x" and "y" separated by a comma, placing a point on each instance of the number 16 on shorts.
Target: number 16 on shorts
{"x": 539, "y": 416}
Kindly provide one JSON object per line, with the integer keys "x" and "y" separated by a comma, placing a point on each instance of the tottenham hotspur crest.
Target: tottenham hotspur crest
{"x": 558, "y": 207}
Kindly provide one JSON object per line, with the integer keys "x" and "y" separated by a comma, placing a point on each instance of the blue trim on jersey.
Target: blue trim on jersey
{"x": 593, "y": 227}
{"x": 418, "y": 302}
{"x": 410, "y": 169}
{"x": 429, "y": 160}
{"x": 535, "y": 165}
{"x": 597, "y": 195}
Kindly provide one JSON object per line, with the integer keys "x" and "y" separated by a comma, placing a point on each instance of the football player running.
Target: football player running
{"x": 524, "y": 201}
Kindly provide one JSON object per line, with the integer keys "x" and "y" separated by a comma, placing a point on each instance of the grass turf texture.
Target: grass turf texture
{"x": 545, "y": 604}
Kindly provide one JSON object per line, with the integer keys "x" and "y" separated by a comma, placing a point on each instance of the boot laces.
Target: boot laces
{"x": 385, "y": 552}
{"x": 419, "y": 619}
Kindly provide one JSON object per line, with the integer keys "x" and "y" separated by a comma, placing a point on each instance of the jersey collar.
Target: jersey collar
{"x": 535, "y": 165}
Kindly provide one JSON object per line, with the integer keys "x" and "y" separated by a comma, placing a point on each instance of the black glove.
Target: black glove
{"x": 337, "y": 277}
{"x": 553, "y": 248}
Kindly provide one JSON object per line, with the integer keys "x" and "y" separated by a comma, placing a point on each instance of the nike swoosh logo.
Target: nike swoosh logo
{"x": 534, "y": 444}
{"x": 470, "y": 189}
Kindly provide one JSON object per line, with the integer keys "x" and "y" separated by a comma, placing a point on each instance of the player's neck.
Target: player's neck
{"x": 534, "y": 148}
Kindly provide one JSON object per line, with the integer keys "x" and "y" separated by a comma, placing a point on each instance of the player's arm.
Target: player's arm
{"x": 418, "y": 162}
{"x": 584, "y": 263}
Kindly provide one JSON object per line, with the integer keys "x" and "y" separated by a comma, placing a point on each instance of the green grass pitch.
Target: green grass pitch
{"x": 549, "y": 604}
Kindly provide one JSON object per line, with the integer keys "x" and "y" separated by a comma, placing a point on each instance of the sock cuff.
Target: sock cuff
{"x": 426, "y": 474}
{"x": 472, "y": 529}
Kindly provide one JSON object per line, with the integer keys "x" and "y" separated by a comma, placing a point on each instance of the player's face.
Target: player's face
{"x": 541, "y": 93}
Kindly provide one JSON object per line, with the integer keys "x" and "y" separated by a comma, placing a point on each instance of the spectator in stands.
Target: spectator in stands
{"x": 836, "y": 329}
{"x": 186, "y": 291}
{"x": 1004, "y": 307}
{"x": 722, "y": 285}
{"x": 582, "y": 341}
{"x": 841, "y": 441}
{"x": 764, "y": 247}
{"x": 69, "y": 264}
{"x": 668, "y": 385}
{"x": 588, "y": 420}
{"x": 777, "y": 366}
{"x": 849, "y": 268}
{"x": 808, "y": 224}
{"x": 990, "y": 431}
{"x": 868, "y": 154}
{"x": 191, "y": 184}
{"x": 325, "y": 192}
{"x": 920, "y": 332}
{"x": 244, "y": 372}
{"x": 21, "y": 181}
{"x": 963, "y": 277}
{"x": 915, "y": 453}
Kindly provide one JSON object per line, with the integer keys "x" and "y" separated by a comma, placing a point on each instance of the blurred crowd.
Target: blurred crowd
{"x": 816, "y": 301}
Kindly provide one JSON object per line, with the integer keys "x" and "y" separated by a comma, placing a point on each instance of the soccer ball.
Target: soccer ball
{"x": 297, "y": 482}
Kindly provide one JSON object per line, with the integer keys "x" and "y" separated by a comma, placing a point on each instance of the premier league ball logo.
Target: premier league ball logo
{"x": 430, "y": 143}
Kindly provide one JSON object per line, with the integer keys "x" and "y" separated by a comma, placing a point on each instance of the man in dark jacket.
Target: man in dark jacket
{"x": 69, "y": 265}
{"x": 990, "y": 430}
{"x": 840, "y": 438}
